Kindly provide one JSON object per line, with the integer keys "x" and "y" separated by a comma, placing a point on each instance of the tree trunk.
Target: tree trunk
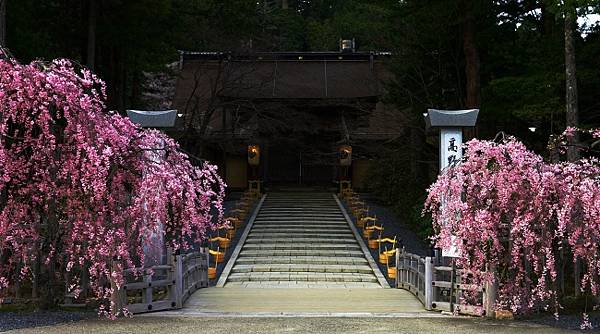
{"x": 547, "y": 20}
{"x": 48, "y": 292}
{"x": 571, "y": 81}
{"x": 572, "y": 107}
{"x": 472, "y": 61}
{"x": 3, "y": 23}
{"x": 91, "y": 41}
{"x": 284, "y": 4}
{"x": 472, "y": 65}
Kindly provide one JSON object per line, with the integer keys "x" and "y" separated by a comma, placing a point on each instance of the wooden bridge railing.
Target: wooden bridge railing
{"x": 163, "y": 287}
{"x": 437, "y": 283}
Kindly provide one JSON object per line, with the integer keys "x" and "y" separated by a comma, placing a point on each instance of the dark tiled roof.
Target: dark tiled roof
{"x": 290, "y": 75}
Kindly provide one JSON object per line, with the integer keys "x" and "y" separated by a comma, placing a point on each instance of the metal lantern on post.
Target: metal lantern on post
{"x": 253, "y": 161}
{"x": 345, "y": 161}
{"x": 345, "y": 155}
{"x": 253, "y": 155}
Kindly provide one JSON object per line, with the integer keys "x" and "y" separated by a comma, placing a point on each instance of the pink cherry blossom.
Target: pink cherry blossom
{"x": 512, "y": 211}
{"x": 81, "y": 188}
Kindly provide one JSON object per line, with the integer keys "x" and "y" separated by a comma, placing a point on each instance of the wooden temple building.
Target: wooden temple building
{"x": 297, "y": 108}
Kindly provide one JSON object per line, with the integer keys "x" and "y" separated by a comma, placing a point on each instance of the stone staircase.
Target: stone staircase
{"x": 302, "y": 240}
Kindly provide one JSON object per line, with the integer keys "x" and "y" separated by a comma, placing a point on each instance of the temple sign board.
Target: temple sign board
{"x": 450, "y": 123}
{"x": 450, "y": 147}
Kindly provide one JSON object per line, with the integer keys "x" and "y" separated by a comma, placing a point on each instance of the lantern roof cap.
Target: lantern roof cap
{"x": 451, "y": 118}
{"x": 153, "y": 119}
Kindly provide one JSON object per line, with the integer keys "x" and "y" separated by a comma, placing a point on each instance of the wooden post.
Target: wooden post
{"x": 205, "y": 270}
{"x": 452, "y": 281}
{"x": 405, "y": 265}
{"x": 398, "y": 268}
{"x": 428, "y": 283}
{"x": 147, "y": 294}
{"x": 489, "y": 296}
{"x": 178, "y": 279}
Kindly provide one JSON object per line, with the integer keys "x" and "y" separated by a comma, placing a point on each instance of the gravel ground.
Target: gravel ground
{"x": 570, "y": 321}
{"x": 296, "y": 325}
{"x": 16, "y": 320}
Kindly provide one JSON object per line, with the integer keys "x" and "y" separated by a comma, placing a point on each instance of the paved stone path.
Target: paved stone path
{"x": 302, "y": 302}
{"x": 302, "y": 240}
{"x": 179, "y": 325}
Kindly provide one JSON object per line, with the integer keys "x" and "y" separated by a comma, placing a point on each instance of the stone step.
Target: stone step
{"x": 301, "y": 213}
{"x": 300, "y": 207}
{"x": 296, "y": 207}
{"x": 301, "y": 218}
{"x": 297, "y": 234}
{"x": 329, "y": 227}
{"x": 298, "y": 200}
{"x": 290, "y": 212}
{"x": 302, "y": 285}
{"x": 300, "y": 252}
{"x": 302, "y": 276}
{"x": 299, "y": 222}
{"x": 256, "y": 231}
{"x": 294, "y": 223}
{"x": 344, "y": 260}
{"x": 309, "y": 196}
{"x": 311, "y": 208}
{"x": 298, "y": 229}
{"x": 301, "y": 246}
{"x": 303, "y": 267}
{"x": 291, "y": 240}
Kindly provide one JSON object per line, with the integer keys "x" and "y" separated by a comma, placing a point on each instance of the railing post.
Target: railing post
{"x": 428, "y": 283}
{"x": 147, "y": 294}
{"x": 405, "y": 264}
{"x": 178, "y": 279}
{"x": 452, "y": 284}
{"x": 489, "y": 296}
{"x": 398, "y": 272}
{"x": 205, "y": 270}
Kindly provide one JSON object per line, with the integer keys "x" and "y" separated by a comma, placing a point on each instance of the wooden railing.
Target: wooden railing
{"x": 163, "y": 287}
{"x": 413, "y": 273}
{"x": 194, "y": 273}
{"x": 437, "y": 283}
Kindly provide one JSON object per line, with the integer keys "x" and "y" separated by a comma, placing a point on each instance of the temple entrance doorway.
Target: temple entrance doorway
{"x": 309, "y": 160}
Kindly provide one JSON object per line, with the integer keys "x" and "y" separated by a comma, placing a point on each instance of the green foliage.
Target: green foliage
{"x": 526, "y": 97}
{"x": 392, "y": 183}
{"x": 520, "y": 43}
{"x": 368, "y": 23}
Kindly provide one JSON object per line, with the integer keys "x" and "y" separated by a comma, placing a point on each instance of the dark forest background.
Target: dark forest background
{"x": 507, "y": 58}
